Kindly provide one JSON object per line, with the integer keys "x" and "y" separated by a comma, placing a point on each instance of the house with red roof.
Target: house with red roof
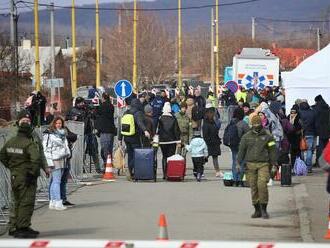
{"x": 290, "y": 58}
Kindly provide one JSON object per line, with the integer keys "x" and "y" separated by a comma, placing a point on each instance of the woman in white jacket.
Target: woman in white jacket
{"x": 56, "y": 152}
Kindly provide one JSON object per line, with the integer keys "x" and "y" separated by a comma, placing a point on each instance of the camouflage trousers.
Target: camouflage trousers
{"x": 258, "y": 176}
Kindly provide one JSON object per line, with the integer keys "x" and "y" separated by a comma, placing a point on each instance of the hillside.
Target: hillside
{"x": 192, "y": 19}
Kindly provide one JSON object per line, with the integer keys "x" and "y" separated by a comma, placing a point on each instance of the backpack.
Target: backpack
{"x": 127, "y": 125}
{"x": 230, "y": 136}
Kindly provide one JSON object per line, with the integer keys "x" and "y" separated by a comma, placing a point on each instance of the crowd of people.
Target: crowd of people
{"x": 261, "y": 138}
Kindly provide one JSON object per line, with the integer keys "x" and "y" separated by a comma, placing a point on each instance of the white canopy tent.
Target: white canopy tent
{"x": 309, "y": 79}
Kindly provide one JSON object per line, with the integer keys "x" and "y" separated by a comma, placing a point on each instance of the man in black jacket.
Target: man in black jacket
{"x": 105, "y": 126}
{"x": 135, "y": 141}
{"x": 322, "y": 123}
{"x": 307, "y": 117}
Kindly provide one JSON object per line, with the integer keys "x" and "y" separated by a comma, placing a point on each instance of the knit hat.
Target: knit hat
{"x": 24, "y": 114}
{"x": 148, "y": 109}
{"x": 167, "y": 108}
{"x": 256, "y": 121}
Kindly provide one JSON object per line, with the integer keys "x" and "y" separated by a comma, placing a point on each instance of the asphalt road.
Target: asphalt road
{"x": 194, "y": 211}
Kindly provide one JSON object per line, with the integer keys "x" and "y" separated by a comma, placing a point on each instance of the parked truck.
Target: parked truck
{"x": 256, "y": 68}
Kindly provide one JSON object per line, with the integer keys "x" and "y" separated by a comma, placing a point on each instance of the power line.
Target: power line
{"x": 149, "y": 9}
{"x": 292, "y": 21}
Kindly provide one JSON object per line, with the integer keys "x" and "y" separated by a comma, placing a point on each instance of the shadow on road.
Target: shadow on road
{"x": 95, "y": 204}
{"x": 69, "y": 232}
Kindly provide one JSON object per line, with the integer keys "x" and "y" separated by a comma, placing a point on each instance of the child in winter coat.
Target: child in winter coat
{"x": 199, "y": 153}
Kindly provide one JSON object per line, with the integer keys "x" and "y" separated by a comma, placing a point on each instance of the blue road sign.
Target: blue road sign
{"x": 123, "y": 88}
{"x": 232, "y": 86}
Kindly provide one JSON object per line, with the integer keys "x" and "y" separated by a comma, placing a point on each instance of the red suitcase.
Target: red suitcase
{"x": 176, "y": 169}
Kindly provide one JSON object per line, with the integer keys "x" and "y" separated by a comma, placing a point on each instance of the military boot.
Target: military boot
{"x": 264, "y": 213}
{"x": 257, "y": 211}
{"x": 25, "y": 233}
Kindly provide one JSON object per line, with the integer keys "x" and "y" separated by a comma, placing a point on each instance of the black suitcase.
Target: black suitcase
{"x": 144, "y": 164}
{"x": 286, "y": 176}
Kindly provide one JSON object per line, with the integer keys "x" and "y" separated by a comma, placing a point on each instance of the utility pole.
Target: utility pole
{"x": 36, "y": 46}
{"x": 52, "y": 39}
{"x": 217, "y": 66}
{"x": 74, "y": 59}
{"x": 253, "y": 29}
{"x": 101, "y": 51}
{"x": 135, "y": 86}
{"x": 212, "y": 49}
{"x": 12, "y": 16}
{"x": 52, "y": 44}
{"x": 97, "y": 41}
{"x": 179, "y": 46}
{"x": 318, "y": 33}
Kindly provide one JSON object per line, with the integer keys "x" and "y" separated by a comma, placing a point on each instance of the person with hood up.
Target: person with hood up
{"x": 274, "y": 121}
{"x": 258, "y": 150}
{"x": 294, "y": 137}
{"x": 199, "y": 153}
{"x": 307, "y": 117}
{"x": 322, "y": 124}
{"x": 169, "y": 135}
{"x": 134, "y": 141}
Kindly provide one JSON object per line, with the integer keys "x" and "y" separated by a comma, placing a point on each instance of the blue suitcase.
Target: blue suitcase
{"x": 144, "y": 166}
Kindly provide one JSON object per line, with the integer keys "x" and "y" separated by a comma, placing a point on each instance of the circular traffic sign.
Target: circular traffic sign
{"x": 232, "y": 86}
{"x": 123, "y": 88}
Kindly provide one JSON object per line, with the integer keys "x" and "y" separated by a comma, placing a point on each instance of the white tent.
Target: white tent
{"x": 309, "y": 79}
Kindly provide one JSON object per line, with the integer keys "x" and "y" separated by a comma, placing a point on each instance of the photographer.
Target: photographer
{"x": 36, "y": 105}
{"x": 86, "y": 113}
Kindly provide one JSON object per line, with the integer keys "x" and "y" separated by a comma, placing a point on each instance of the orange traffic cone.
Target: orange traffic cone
{"x": 163, "y": 234}
{"x": 108, "y": 174}
{"x": 327, "y": 236}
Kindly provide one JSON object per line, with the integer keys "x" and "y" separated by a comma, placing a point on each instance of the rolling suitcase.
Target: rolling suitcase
{"x": 144, "y": 164}
{"x": 176, "y": 168}
{"x": 286, "y": 177}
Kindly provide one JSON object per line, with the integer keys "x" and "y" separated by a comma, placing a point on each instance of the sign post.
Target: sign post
{"x": 123, "y": 89}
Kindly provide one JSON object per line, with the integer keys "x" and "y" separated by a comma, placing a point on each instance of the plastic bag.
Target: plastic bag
{"x": 300, "y": 168}
{"x": 176, "y": 157}
{"x": 119, "y": 158}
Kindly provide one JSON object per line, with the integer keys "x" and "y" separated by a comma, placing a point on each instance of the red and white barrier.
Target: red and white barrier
{"x": 63, "y": 243}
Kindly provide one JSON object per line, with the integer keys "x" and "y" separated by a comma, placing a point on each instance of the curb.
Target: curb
{"x": 300, "y": 194}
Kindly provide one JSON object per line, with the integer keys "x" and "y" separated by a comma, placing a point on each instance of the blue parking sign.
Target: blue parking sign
{"x": 123, "y": 88}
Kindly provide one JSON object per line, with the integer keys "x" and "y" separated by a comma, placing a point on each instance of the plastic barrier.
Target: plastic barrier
{"x": 149, "y": 244}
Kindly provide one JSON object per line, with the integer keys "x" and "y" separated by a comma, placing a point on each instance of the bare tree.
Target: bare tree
{"x": 155, "y": 55}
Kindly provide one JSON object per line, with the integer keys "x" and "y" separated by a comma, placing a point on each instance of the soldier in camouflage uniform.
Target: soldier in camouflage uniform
{"x": 185, "y": 127}
{"x": 23, "y": 156}
{"x": 258, "y": 150}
